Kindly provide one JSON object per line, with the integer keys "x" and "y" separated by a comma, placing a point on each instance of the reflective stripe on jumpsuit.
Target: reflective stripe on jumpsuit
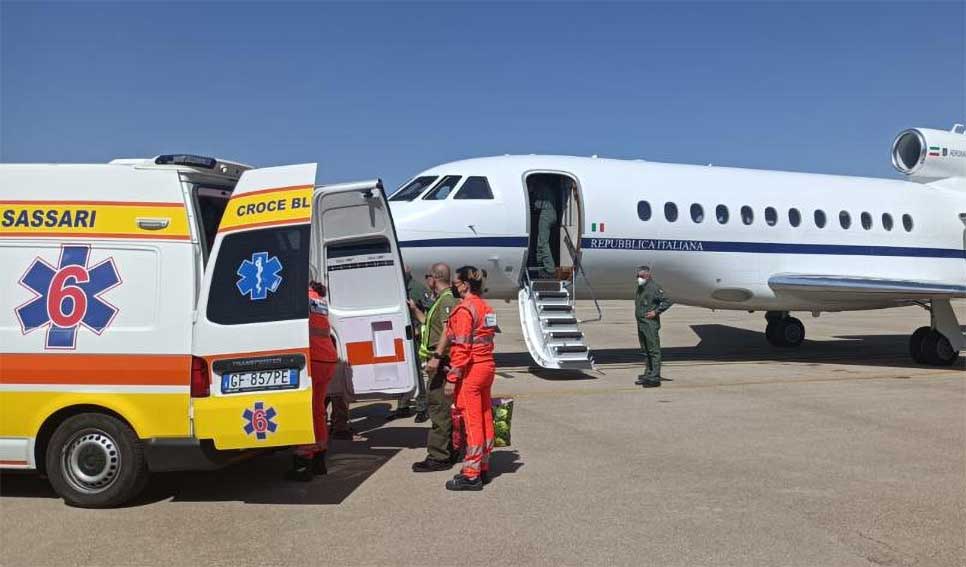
{"x": 473, "y": 370}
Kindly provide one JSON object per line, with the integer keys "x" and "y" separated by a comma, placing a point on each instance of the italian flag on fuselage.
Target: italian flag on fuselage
{"x": 595, "y": 226}
{"x": 934, "y": 151}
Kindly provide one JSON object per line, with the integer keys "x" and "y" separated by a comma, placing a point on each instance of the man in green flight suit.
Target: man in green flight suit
{"x": 649, "y": 303}
{"x": 436, "y": 365}
{"x": 544, "y": 198}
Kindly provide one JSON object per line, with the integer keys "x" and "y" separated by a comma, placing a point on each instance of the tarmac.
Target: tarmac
{"x": 840, "y": 452}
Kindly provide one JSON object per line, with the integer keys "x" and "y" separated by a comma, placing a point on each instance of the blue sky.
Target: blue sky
{"x": 371, "y": 89}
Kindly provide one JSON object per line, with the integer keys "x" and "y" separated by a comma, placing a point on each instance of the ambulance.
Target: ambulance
{"x": 154, "y": 314}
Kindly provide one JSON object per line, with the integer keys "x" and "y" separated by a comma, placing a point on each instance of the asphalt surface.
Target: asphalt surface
{"x": 840, "y": 452}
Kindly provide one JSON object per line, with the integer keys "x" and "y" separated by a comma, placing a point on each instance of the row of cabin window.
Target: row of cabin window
{"x": 771, "y": 216}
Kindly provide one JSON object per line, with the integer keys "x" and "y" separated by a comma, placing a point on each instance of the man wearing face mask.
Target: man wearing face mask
{"x": 649, "y": 303}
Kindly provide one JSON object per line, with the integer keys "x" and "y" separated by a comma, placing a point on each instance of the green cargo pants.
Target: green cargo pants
{"x": 649, "y": 335}
{"x": 439, "y": 442}
{"x": 547, "y": 218}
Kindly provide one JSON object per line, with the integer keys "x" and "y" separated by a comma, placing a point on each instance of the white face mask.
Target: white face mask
{"x": 641, "y": 281}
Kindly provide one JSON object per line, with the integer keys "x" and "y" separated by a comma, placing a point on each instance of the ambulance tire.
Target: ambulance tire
{"x": 96, "y": 461}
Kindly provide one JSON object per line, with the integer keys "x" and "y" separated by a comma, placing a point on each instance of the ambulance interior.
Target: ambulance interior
{"x": 565, "y": 233}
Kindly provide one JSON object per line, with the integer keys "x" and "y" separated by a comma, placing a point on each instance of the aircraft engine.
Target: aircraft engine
{"x": 927, "y": 154}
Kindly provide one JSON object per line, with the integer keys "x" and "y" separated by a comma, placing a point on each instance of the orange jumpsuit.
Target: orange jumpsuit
{"x": 323, "y": 357}
{"x": 471, "y": 328}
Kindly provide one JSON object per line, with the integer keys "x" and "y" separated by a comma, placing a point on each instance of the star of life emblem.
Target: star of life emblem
{"x": 259, "y": 421}
{"x": 67, "y": 296}
{"x": 259, "y": 276}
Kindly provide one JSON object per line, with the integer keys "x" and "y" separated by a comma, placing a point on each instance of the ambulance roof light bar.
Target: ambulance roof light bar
{"x": 186, "y": 159}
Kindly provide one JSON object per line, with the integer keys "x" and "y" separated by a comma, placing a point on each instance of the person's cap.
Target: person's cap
{"x": 643, "y": 268}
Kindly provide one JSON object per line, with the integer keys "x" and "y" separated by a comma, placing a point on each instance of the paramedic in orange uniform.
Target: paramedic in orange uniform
{"x": 309, "y": 460}
{"x": 470, "y": 331}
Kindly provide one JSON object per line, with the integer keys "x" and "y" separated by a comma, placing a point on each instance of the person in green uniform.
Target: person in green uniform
{"x": 417, "y": 295}
{"x": 435, "y": 357}
{"x": 649, "y": 303}
{"x": 544, "y": 198}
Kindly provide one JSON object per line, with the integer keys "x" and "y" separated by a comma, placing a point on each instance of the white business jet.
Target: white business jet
{"x": 716, "y": 237}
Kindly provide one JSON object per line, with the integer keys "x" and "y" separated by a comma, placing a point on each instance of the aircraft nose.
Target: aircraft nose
{"x": 404, "y": 219}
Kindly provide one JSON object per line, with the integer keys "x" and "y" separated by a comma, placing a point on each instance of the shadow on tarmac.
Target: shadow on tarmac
{"x": 723, "y": 343}
{"x": 259, "y": 480}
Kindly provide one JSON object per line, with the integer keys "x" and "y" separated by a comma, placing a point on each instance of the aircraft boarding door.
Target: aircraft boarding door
{"x": 363, "y": 274}
{"x": 250, "y": 381}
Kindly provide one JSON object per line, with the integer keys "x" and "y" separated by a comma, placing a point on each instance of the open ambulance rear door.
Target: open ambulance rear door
{"x": 362, "y": 269}
{"x": 251, "y": 386}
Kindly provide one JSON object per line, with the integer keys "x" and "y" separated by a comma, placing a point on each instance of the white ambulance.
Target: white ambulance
{"x": 154, "y": 314}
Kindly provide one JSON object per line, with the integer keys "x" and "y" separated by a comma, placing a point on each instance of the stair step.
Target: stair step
{"x": 556, "y": 308}
{"x": 553, "y": 295}
{"x": 556, "y": 321}
{"x": 545, "y": 285}
{"x": 571, "y": 349}
{"x": 576, "y": 335}
{"x": 582, "y": 363}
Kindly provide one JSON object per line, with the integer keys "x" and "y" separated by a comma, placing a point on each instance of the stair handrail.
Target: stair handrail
{"x": 578, "y": 266}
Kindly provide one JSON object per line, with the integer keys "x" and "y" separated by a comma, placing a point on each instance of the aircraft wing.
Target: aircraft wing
{"x": 849, "y": 287}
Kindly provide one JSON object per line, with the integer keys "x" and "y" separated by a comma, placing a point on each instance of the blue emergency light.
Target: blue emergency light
{"x": 186, "y": 159}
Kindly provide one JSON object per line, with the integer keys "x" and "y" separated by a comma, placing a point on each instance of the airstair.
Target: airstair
{"x": 549, "y": 321}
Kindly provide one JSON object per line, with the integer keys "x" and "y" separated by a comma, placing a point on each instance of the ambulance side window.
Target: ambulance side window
{"x": 261, "y": 275}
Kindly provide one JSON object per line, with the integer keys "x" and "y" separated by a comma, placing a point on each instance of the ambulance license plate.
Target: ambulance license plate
{"x": 258, "y": 380}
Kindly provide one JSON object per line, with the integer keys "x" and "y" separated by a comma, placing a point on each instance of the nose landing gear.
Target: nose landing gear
{"x": 929, "y": 346}
{"x": 782, "y": 330}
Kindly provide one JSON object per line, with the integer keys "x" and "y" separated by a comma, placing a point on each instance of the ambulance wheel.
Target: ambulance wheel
{"x": 937, "y": 349}
{"x": 915, "y": 344}
{"x": 96, "y": 461}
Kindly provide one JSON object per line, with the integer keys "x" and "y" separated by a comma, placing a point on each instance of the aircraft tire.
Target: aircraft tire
{"x": 792, "y": 332}
{"x": 772, "y": 333}
{"x": 915, "y": 344}
{"x": 937, "y": 350}
{"x": 785, "y": 333}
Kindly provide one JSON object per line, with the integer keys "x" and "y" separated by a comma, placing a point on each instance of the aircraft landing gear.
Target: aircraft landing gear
{"x": 782, "y": 330}
{"x": 929, "y": 346}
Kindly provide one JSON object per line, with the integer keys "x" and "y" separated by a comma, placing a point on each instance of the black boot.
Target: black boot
{"x": 422, "y": 416}
{"x": 301, "y": 470}
{"x": 318, "y": 464}
{"x": 432, "y": 465}
{"x": 642, "y": 378}
{"x": 460, "y": 482}
{"x": 651, "y": 382}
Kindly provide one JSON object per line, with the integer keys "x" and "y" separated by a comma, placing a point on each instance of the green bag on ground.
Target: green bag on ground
{"x": 502, "y": 416}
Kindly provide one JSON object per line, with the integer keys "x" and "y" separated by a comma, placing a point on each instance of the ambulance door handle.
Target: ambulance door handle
{"x": 153, "y": 223}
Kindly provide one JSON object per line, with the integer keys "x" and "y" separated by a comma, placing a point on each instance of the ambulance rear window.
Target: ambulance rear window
{"x": 261, "y": 275}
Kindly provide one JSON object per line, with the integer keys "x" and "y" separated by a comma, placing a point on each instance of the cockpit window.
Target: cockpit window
{"x": 475, "y": 188}
{"x": 413, "y": 189}
{"x": 443, "y": 188}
